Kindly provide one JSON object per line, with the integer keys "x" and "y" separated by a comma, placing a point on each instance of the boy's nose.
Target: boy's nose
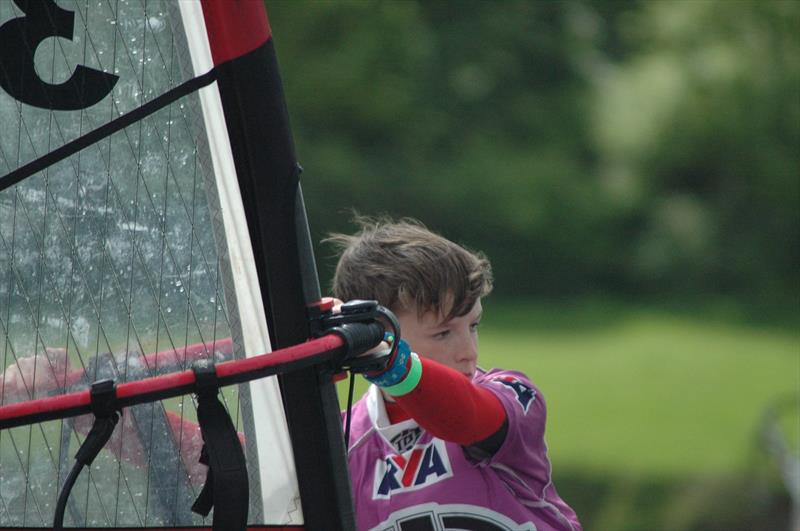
{"x": 469, "y": 349}
{"x": 468, "y": 359}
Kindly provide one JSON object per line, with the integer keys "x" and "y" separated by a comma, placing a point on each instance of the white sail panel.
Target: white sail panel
{"x": 277, "y": 475}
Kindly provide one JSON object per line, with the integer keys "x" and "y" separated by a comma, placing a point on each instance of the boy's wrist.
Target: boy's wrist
{"x": 397, "y": 371}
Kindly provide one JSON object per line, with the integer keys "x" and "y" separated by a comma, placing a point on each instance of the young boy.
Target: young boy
{"x": 436, "y": 442}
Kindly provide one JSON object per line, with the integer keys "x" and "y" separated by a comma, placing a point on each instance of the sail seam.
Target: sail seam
{"x": 107, "y": 129}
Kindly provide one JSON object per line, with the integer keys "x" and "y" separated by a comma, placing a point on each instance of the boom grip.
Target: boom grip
{"x": 359, "y": 337}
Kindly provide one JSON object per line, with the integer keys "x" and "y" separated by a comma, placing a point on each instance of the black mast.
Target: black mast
{"x": 268, "y": 173}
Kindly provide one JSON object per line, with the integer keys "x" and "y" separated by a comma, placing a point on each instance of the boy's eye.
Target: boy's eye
{"x": 441, "y": 335}
{"x": 474, "y": 326}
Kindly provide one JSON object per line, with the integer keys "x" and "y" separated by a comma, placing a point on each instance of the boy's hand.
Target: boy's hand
{"x": 383, "y": 345}
{"x": 49, "y": 368}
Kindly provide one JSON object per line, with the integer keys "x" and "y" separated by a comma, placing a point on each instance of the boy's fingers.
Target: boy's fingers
{"x": 380, "y": 348}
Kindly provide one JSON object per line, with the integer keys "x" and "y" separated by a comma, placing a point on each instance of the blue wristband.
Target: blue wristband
{"x": 395, "y": 373}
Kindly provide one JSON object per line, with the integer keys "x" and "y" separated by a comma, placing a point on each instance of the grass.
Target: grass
{"x": 643, "y": 391}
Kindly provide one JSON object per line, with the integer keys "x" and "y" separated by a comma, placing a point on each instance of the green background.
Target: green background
{"x": 631, "y": 169}
{"x": 656, "y": 415}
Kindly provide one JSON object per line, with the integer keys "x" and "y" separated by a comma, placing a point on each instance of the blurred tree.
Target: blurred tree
{"x": 699, "y": 127}
{"x": 583, "y": 145}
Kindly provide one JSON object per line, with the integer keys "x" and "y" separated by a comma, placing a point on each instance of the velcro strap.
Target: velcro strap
{"x": 226, "y": 482}
{"x": 205, "y": 500}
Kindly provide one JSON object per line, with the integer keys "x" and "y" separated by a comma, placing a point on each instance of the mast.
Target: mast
{"x": 251, "y": 96}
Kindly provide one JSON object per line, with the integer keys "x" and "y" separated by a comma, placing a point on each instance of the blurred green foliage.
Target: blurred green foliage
{"x": 656, "y": 413}
{"x": 646, "y": 148}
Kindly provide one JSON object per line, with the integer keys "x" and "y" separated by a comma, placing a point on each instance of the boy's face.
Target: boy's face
{"x": 453, "y": 343}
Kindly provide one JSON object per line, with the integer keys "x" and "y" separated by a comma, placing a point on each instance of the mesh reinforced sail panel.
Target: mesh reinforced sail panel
{"x": 114, "y": 263}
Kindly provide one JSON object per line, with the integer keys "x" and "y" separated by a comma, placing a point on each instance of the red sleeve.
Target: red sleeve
{"x": 451, "y": 407}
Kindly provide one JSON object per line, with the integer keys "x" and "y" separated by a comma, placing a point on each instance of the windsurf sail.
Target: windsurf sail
{"x": 151, "y": 215}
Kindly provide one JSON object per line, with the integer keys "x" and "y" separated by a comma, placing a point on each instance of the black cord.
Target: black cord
{"x": 348, "y": 417}
{"x": 362, "y": 311}
{"x": 103, "y": 397}
{"x": 390, "y": 317}
{"x": 58, "y": 519}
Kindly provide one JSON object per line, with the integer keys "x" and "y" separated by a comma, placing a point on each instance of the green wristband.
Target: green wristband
{"x": 410, "y": 382}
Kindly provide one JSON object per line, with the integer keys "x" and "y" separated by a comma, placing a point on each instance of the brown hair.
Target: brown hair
{"x": 403, "y": 265}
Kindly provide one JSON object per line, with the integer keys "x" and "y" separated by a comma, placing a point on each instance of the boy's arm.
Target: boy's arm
{"x": 451, "y": 407}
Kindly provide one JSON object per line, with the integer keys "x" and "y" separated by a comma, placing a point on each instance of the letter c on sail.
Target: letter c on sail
{"x": 19, "y": 39}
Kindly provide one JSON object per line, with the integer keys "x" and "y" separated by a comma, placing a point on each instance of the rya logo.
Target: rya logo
{"x": 406, "y": 439}
{"x": 524, "y": 392}
{"x": 423, "y": 465}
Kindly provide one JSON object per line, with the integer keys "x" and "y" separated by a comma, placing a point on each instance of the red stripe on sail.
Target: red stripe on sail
{"x": 176, "y": 358}
{"x": 235, "y": 27}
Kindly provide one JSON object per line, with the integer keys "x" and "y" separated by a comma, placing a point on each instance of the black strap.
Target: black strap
{"x": 205, "y": 500}
{"x": 103, "y": 395}
{"x": 226, "y": 487}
